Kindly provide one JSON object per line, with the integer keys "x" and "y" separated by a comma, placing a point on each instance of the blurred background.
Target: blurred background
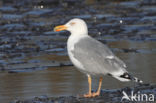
{"x": 33, "y": 58}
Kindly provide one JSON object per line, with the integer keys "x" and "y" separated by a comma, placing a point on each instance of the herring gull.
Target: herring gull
{"x": 91, "y": 56}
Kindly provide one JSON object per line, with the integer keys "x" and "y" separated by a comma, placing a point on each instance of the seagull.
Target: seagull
{"x": 92, "y": 57}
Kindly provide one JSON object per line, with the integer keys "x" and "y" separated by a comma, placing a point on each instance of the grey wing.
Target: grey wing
{"x": 96, "y": 57}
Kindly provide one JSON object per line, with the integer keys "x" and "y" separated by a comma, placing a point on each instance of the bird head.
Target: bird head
{"x": 75, "y": 26}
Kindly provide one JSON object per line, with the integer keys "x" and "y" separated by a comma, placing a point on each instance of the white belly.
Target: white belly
{"x": 70, "y": 47}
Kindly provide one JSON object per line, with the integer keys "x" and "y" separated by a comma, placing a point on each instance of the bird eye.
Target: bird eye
{"x": 72, "y": 23}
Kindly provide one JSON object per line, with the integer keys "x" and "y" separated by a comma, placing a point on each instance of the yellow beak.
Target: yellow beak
{"x": 60, "y": 28}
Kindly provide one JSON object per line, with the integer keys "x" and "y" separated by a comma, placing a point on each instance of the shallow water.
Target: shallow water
{"x": 33, "y": 58}
{"x": 59, "y": 81}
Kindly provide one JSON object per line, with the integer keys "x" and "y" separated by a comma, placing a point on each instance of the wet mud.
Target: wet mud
{"x": 29, "y": 44}
{"x": 106, "y": 96}
{"x": 26, "y": 27}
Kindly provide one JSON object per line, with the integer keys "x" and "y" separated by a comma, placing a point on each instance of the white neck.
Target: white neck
{"x": 75, "y": 37}
{"x": 79, "y": 33}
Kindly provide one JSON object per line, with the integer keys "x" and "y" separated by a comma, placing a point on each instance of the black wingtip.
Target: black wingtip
{"x": 128, "y": 76}
{"x": 137, "y": 80}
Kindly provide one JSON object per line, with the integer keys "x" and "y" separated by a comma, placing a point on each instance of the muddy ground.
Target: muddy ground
{"x": 26, "y": 28}
{"x": 28, "y": 42}
{"x": 106, "y": 96}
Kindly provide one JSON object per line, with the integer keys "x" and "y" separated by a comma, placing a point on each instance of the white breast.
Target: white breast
{"x": 72, "y": 40}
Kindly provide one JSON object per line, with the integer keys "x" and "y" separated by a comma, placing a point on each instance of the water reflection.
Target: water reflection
{"x": 68, "y": 81}
{"x": 54, "y": 82}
